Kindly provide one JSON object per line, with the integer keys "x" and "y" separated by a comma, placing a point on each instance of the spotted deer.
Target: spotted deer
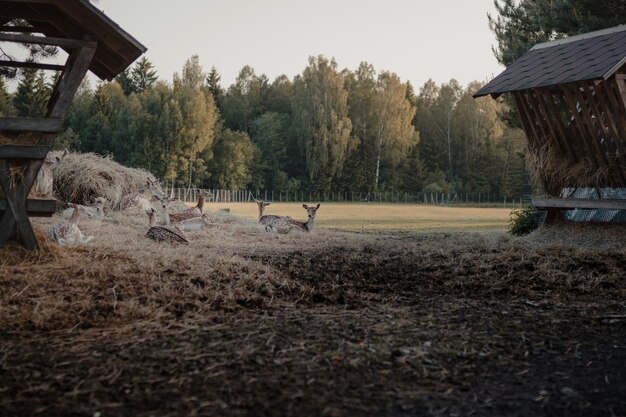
{"x": 199, "y": 207}
{"x": 163, "y": 233}
{"x": 266, "y": 219}
{"x": 285, "y": 225}
{"x": 69, "y": 233}
{"x": 142, "y": 197}
{"x": 44, "y": 183}
{"x": 187, "y": 220}
{"x": 95, "y": 211}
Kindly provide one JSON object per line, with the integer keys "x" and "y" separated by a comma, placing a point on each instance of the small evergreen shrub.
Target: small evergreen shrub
{"x": 523, "y": 221}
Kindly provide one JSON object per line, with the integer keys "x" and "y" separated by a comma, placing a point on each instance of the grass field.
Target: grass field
{"x": 372, "y": 217}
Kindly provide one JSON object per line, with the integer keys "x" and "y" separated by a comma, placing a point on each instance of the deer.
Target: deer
{"x": 44, "y": 183}
{"x": 69, "y": 233}
{"x": 286, "y": 224}
{"x": 199, "y": 207}
{"x": 187, "y": 220}
{"x": 95, "y": 211}
{"x": 163, "y": 233}
{"x": 266, "y": 219}
{"x": 142, "y": 197}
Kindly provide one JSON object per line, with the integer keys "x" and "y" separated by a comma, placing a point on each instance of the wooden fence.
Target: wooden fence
{"x": 238, "y": 196}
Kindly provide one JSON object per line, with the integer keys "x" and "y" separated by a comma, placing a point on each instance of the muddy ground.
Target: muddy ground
{"x": 328, "y": 324}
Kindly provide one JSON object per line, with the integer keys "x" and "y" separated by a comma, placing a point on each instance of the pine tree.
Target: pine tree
{"x": 32, "y": 95}
{"x": 143, "y": 75}
{"x": 6, "y": 107}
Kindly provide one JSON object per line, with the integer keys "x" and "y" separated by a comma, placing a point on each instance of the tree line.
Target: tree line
{"x": 323, "y": 130}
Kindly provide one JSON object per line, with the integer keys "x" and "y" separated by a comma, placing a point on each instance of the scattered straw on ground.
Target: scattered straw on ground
{"x": 242, "y": 323}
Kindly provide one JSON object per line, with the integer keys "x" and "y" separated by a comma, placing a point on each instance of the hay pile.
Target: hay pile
{"x": 79, "y": 177}
{"x": 554, "y": 171}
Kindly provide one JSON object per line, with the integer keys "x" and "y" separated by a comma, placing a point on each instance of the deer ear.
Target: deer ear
{"x": 318, "y": 206}
{"x": 305, "y": 206}
{"x": 268, "y": 203}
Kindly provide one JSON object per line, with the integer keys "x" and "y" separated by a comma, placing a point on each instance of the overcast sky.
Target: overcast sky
{"x": 416, "y": 39}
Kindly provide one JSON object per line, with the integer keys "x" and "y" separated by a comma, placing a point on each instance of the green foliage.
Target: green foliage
{"x": 321, "y": 122}
{"x": 324, "y": 131}
{"x": 523, "y": 221}
{"x": 519, "y": 25}
{"x": 6, "y": 106}
{"x": 234, "y": 154}
{"x": 32, "y": 95}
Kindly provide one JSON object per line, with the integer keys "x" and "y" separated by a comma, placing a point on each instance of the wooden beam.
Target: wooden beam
{"x": 36, "y": 207}
{"x": 19, "y": 29}
{"x": 606, "y": 131}
{"x": 33, "y": 65}
{"x": 579, "y": 203}
{"x": 535, "y": 116}
{"x": 545, "y": 115}
{"x": 24, "y": 151}
{"x": 556, "y": 116}
{"x": 608, "y": 112}
{"x": 580, "y": 129}
{"x": 76, "y": 67}
{"x": 45, "y": 40}
{"x": 585, "y": 110}
{"x": 20, "y": 124}
{"x": 531, "y": 133}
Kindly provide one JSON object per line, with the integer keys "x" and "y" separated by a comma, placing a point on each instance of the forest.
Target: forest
{"x": 324, "y": 130}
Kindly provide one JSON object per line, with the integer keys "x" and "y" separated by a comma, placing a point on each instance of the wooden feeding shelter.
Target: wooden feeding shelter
{"x": 92, "y": 42}
{"x": 570, "y": 95}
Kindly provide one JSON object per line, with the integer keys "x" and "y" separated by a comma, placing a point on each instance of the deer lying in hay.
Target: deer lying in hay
{"x": 199, "y": 207}
{"x": 44, "y": 183}
{"x": 286, "y": 224}
{"x": 95, "y": 211}
{"x": 69, "y": 233}
{"x": 142, "y": 197}
{"x": 267, "y": 219}
{"x": 186, "y": 220}
{"x": 163, "y": 233}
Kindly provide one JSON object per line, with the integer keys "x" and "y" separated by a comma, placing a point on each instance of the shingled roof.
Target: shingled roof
{"x": 590, "y": 56}
{"x": 75, "y": 19}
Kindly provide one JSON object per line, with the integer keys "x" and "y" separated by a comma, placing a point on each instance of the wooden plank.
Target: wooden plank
{"x": 24, "y": 151}
{"x": 621, "y": 87}
{"x": 610, "y": 112}
{"x": 545, "y": 116}
{"x": 36, "y": 207}
{"x": 580, "y": 129}
{"x": 531, "y": 133}
{"x": 579, "y": 203}
{"x": 47, "y": 40}
{"x": 76, "y": 67}
{"x": 21, "y": 124}
{"x": 33, "y": 65}
{"x": 534, "y": 116}
{"x": 556, "y": 116}
{"x": 19, "y": 29}
{"x": 585, "y": 109}
{"x": 15, "y": 219}
{"x": 604, "y": 140}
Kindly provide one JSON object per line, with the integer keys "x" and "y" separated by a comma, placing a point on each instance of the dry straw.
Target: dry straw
{"x": 79, "y": 177}
{"x": 554, "y": 171}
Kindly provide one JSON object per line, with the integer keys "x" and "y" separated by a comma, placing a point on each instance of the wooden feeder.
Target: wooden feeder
{"x": 570, "y": 95}
{"x": 93, "y": 42}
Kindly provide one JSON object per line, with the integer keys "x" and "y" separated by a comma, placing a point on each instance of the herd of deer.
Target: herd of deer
{"x": 173, "y": 225}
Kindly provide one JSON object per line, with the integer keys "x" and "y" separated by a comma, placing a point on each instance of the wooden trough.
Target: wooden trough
{"x": 92, "y": 42}
{"x": 570, "y": 95}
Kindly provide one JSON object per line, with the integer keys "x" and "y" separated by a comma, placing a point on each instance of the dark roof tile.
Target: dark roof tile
{"x": 584, "y": 57}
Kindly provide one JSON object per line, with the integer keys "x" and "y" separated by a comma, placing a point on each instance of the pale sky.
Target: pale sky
{"x": 416, "y": 39}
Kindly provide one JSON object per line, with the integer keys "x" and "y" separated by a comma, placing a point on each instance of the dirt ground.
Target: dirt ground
{"x": 241, "y": 323}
